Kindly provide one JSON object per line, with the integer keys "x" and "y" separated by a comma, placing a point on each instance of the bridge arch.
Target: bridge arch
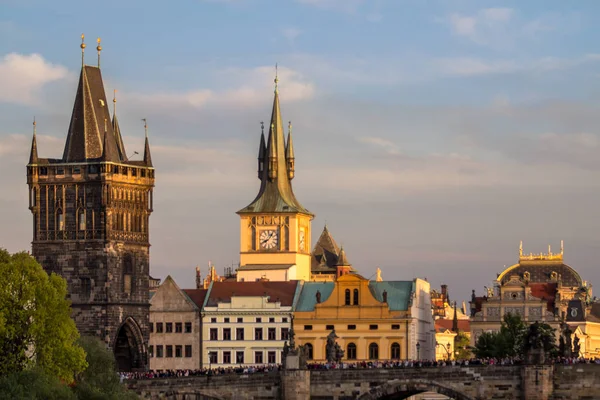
{"x": 403, "y": 388}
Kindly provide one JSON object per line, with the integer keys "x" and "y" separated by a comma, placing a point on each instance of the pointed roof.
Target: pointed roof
{"x": 147, "y": 156}
{"x": 289, "y": 147}
{"x": 118, "y": 138}
{"x": 276, "y": 194}
{"x": 33, "y": 155}
{"x": 85, "y": 138}
{"x": 262, "y": 147}
{"x": 325, "y": 251}
{"x": 342, "y": 259}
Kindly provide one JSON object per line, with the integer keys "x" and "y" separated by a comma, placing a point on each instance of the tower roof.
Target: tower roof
{"x": 275, "y": 194}
{"x": 118, "y": 137}
{"x": 85, "y": 140}
{"x": 342, "y": 259}
{"x": 33, "y": 155}
{"x": 325, "y": 251}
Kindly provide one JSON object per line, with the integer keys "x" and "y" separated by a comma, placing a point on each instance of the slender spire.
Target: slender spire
{"x": 342, "y": 259}
{"x": 106, "y": 145}
{"x": 272, "y": 150}
{"x": 117, "y": 129}
{"x": 455, "y": 320}
{"x": 289, "y": 153}
{"x": 82, "y": 49}
{"x": 276, "y": 80}
{"x": 33, "y": 156}
{"x": 147, "y": 156}
{"x": 262, "y": 151}
{"x": 99, "y": 48}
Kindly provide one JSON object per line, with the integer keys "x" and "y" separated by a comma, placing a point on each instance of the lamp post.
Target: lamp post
{"x": 446, "y": 348}
{"x": 418, "y": 350}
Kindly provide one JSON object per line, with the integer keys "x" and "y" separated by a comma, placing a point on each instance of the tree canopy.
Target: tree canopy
{"x": 36, "y": 328}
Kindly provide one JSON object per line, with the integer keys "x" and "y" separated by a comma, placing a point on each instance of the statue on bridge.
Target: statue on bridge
{"x": 294, "y": 357}
{"x": 333, "y": 351}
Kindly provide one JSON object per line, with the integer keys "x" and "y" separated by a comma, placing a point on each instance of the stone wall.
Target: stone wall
{"x": 581, "y": 381}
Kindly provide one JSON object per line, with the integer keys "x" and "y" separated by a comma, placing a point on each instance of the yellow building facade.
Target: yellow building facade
{"x": 374, "y": 321}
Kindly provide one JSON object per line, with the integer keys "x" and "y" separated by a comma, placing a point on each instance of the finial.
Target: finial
{"x": 34, "y": 126}
{"x": 521, "y": 249}
{"x": 562, "y": 247}
{"x": 289, "y": 126}
{"x": 145, "y": 127}
{"x": 82, "y": 48}
{"x": 262, "y": 127}
{"x": 549, "y": 250}
{"x": 99, "y": 48}
{"x": 114, "y": 102}
{"x": 276, "y": 80}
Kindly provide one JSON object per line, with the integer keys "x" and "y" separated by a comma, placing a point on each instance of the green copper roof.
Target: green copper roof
{"x": 308, "y": 295}
{"x": 398, "y": 293}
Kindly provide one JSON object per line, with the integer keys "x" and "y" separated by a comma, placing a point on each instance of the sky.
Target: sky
{"x": 432, "y": 136}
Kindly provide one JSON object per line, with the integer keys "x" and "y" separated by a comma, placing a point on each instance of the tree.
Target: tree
{"x": 35, "y": 324}
{"x": 506, "y": 343}
{"x": 33, "y": 383}
{"x": 461, "y": 346}
{"x": 100, "y": 380}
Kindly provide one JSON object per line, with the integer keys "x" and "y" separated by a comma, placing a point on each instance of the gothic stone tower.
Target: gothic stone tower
{"x": 275, "y": 233}
{"x": 91, "y": 212}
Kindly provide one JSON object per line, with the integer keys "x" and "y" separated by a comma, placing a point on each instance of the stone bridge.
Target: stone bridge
{"x": 530, "y": 382}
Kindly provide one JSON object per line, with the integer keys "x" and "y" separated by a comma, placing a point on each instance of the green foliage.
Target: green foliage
{"x": 100, "y": 380}
{"x": 33, "y": 384}
{"x": 461, "y": 345}
{"x": 35, "y": 324}
{"x": 513, "y": 330}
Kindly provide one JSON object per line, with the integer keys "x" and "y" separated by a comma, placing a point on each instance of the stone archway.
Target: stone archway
{"x": 403, "y": 388}
{"x": 128, "y": 347}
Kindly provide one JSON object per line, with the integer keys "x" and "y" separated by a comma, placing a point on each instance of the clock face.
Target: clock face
{"x": 301, "y": 243}
{"x": 268, "y": 239}
{"x": 573, "y": 312}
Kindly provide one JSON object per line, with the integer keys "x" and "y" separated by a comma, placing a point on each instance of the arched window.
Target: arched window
{"x": 355, "y": 297}
{"x": 395, "y": 351}
{"x": 308, "y": 351}
{"x": 373, "y": 351}
{"x": 60, "y": 220}
{"x": 128, "y": 274}
{"x": 81, "y": 219}
{"x": 351, "y": 351}
{"x": 347, "y": 297}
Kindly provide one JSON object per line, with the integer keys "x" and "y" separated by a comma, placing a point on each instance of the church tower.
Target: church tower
{"x": 91, "y": 211}
{"x": 275, "y": 232}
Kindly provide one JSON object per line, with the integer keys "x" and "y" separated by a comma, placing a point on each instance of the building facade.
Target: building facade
{"x": 247, "y": 323}
{"x": 91, "y": 212}
{"x": 175, "y": 327}
{"x": 374, "y": 321}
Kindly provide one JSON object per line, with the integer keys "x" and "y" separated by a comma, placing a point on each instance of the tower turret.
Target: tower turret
{"x": 33, "y": 155}
{"x": 289, "y": 153}
{"x": 262, "y": 151}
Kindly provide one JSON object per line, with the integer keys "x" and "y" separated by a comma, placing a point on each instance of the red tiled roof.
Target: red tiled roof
{"x": 546, "y": 291}
{"x": 197, "y": 295}
{"x": 277, "y": 291}
{"x": 441, "y": 325}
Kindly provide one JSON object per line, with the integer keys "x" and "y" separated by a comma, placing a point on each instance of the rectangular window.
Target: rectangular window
{"x": 212, "y": 357}
{"x": 373, "y": 327}
{"x": 60, "y": 171}
{"x": 239, "y": 333}
{"x": 188, "y": 350}
{"x": 329, "y": 327}
{"x": 284, "y": 319}
{"x": 81, "y": 221}
{"x": 258, "y": 334}
{"x": 61, "y": 221}
{"x": 258, "y": 357}
{"x": 226, "y": 333}
{"x": 226, "y": 357}
{"x": 213, "y": 320}
{"x": 159, "y": 327}
{"x": 127, "y": 283}
{"x": 308, "y": 327}
{"x": 76, "y": 170}
{"x": 178, "y": 327}
{"x": 395, "y": 327}
{"x": 214, "y": 334}
{"x": 271, "y": 357}
{"x": 188, "y": 327}
{"x": 151, "y": 351}
{"x": 178, "y": 351}
{"x": 271, "y": 319}
{"x": 258, "y": 319}
{"x": 159, "y": 351}
{"x": 271, "y": 332}
{"x": 226, "y": 320}
{"x": 169, "y": 327}
{"x": 240, "y": 320}
{"x": 151, "y": 327}
{"x": 351, "y": 327}
{"x": 239, "y": 357}
{"x": 86, "y": 288}
{"x": 169, "y": 349}
{"x": 285, "y": 333}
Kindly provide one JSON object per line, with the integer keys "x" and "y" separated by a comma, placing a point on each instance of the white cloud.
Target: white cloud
{"x": 23, "y": 76}
{"x": 387, "y": 145}
{"x": 291, "y": 33}
{"x": 253, "y": 86}
{"x": 490, "y": 26}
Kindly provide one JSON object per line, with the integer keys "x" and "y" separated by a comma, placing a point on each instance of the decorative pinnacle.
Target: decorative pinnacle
{"x": 99, "y": 48}
{"x": 262, "y": 127}
{"x": 34, "y": 126}
{"x": 289, "y": 126}
{"x": 145, "y": 127}
{"x": 114, "y": 102}
{"x": 82, "y": 45}
{"x": 276, "y": 80}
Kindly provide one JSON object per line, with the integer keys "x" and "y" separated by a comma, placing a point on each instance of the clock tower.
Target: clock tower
{"x": 275, "y": 232}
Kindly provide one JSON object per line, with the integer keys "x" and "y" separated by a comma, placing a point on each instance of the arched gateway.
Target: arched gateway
{"x": 402, "y": 389}
{"x": 128, "y": 347}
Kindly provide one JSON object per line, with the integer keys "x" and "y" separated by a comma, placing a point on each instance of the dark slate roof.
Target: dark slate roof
{"x": 118, "y": 138}
{"x": 221, "y": 292}
{"x": 196, "y": 295}
{"x": 540, "y": 272}
{"x": 275, "y": 195}
{"x": 258, "y": 267}
{"x": 398, "y": 293}
{"x": 89, "y": 120}
{"x": 325, "y": 253}
{"x": 308, "y": 295}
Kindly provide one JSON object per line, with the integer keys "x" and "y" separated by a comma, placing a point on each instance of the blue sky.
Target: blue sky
{"x": 432, "y": 136}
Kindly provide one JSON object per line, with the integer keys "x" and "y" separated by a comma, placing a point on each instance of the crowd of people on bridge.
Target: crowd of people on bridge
{"x": 245, "y": 370}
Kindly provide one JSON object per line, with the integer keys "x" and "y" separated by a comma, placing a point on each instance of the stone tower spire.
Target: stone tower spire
{"x": 289, "y": 153}
{"x": 33, "y": 155}
{"x": 262, "y": 151}
{"x": 147, "y": 156}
